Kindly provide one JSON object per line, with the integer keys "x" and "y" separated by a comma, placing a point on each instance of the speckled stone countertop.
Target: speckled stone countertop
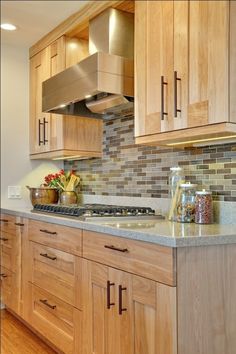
{"x": 160, "y": 232}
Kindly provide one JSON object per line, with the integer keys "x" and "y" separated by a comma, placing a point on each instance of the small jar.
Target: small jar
{"x": 185, "y": 209}
{"x": 203, "y": 207}
{"x": 176, "y": 175}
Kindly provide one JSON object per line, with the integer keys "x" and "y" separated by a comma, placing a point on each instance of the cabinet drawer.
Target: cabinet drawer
{"x": 56, "y": 272}
{"x": 10, "y": 289}
{"x": 10, "y": 251}
{"x": 137, "y": 257}
{"x": 54, "y": 319}
{"x": 64, "y": 238}
{"x": 10, "y": 223}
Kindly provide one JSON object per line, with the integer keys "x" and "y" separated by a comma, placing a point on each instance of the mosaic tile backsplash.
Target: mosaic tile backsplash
{"x": 133, "y": 170}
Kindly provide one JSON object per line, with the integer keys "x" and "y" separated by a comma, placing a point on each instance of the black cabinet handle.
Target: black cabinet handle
{"x": 121, "y": 309}
{"x": 111, "y": 247}
{"x": 3, "y": 239}
{"x": 47, "y": 256}
{"x": 176, "y": 79}
{"x": 163, "y": 113}
{"x": 19, "y": 224}
{"x": 3, "y": 275}
{"x": 40, "y": 141}
{"x": 44, "y": 131}
{"x": 45, "y": 302}
{"x": 48, "y": 232}
{"x": 109, "y": 303}
{"x": 4, "y": 220}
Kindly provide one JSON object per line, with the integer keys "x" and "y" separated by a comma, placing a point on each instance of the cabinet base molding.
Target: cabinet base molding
{"x": 191, "y": 136}
{"x": 26, "y": 324}
{"x": 65, "y": 154}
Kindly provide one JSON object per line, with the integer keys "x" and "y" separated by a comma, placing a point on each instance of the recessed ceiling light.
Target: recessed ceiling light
{"x": 8, "y": 27}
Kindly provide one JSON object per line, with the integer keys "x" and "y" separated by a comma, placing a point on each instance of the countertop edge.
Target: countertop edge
{"x": 163, "y": 240}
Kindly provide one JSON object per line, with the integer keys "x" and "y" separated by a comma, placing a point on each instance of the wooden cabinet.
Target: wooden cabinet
{"x": 11, "y": 259}
{"x": 184, "y": 70}
{"x": 123, "y": 312}
{"x": 53, "y": 135}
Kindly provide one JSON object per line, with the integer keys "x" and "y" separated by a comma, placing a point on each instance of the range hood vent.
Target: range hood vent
{"x": 101, "y": 85}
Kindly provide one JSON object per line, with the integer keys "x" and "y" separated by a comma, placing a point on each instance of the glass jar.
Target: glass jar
{"x": 185, "y": 208}
{"x": 203, "y": 207}
{"x": 176, "y": 175}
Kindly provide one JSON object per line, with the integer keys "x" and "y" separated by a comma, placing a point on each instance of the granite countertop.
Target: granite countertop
{"x": 160, "y": 232}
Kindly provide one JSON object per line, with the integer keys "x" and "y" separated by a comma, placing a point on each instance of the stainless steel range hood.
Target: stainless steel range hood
{"x": 102, "y": 84}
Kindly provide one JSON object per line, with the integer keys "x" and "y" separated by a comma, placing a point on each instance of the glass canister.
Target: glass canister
{"x": 176, "y": 175}
{"x": 185, "y": 208}
{"x": 203, "y": 207}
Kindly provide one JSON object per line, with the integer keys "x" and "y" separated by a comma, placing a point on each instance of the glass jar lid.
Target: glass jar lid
{"x": 203, "y": 192}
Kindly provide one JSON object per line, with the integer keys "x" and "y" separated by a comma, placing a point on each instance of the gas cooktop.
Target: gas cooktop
{"x": 92, "y": 211}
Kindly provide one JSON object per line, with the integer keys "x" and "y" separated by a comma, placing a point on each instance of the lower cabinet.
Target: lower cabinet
{"x": 126, "y": 314}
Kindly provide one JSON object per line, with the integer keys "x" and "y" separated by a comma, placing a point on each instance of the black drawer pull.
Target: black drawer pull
{"x": 47, "y": 256}
{"x": 3, "y": 275}
{"x": 3, "y": 239}
{"x": 111, "y": 247}
{"x": 176, "y": 79}
{"x": 163, "y": 113}
{"x": 19, "y": 224}
{"x": 109, "y": 303}
{"x": 121, "y": 309}
{"x": 45, "y": 302}
{"x": 48, "y": 232}
{"x": 4, "y": 220}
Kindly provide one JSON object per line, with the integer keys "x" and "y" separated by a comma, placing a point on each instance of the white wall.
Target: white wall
{"x": 16, "y": 167}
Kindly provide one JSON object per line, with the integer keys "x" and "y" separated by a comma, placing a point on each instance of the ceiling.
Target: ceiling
{"x": 34, "y": 19}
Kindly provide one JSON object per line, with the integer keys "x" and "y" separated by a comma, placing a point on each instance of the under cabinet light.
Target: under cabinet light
{"x": 8, "y": 27}
{"x": 200, "y": 142}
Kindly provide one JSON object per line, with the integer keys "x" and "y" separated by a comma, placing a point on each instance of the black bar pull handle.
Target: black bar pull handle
{"x": 47, "y": 256}
{"x": 40, "y": 141}
{"x": 176, "y": 79}
{"x": 45, "y": 302}
{"x": 44, "y": 131}
{"x": 121, "y": 309}
{"x": 19, "y": 224}
{"x": 109, "y": 303}
{"x": 3, "y": 275}
{"x": 163, "y": 83}
{"x": 48, "y": 232}
{"x": 4, "y": 220}
{"x": 111, "y": 247}
{"x": 3, "y": 239}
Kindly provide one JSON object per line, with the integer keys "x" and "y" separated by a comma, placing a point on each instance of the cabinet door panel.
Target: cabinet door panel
{"x": 95, "y": 321}
{"x": 39, "y": 71}
{"x": 57, "y": 64}
{"x": 208, "y": 62}
{"x": 181, "y": 16}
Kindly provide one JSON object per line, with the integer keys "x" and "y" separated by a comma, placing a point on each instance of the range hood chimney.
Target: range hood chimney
{"x": 101, "y": 85}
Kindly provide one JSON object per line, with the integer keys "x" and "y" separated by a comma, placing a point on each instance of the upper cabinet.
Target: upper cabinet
{"x": 57, "y": 136}
{"x": 185, "y": 67}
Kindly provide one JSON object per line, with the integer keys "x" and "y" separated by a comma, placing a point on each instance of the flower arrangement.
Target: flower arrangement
{"x": 64, "y": 181}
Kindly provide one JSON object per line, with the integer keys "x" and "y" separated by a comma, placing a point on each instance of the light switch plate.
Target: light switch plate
{"x": 14, "y": 192}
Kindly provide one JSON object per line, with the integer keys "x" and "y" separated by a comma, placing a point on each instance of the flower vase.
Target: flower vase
{"x": 68, "y": 197}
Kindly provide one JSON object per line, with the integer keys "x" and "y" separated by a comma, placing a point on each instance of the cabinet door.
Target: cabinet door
{"x": 39, "y": 121}
{"x": 208, "y": 62}
{"x": 94, "y": 308}
{"x": 153, "y": 67}
{"x": 56, "y": 55}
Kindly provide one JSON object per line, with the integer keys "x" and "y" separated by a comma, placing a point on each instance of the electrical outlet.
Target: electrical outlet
{"x": 14, "y": 192}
